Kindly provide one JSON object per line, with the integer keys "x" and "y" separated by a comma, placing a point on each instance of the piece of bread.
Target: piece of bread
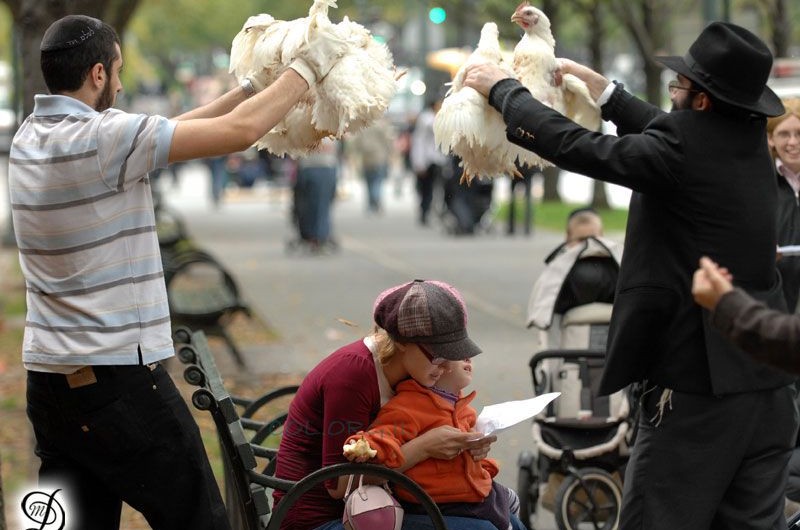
{"x": 359, "y": 448}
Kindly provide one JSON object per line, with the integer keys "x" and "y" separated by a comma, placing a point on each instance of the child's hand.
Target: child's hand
{"x": 479, "y": 447}
{"x": 446, "y": 442}
{"x": 358, "y": 451}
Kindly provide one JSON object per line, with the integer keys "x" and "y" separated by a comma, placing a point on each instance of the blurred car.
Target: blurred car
{"x": 785, "y": 78}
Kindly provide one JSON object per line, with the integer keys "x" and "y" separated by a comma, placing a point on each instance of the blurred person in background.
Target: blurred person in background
{"x": 314, "y": 192}
{"x": 525, "y": 182}
{"x": 783, "y": 136}
{"x": 374, "y": 147}
{"x": 427, "y": 161}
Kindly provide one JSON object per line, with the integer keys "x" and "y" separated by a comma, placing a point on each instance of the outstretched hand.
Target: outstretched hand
{"x": 710, "y": 283}
{"x": 321, "y": 51}
{"x": 482, "y": 77}
{"x": 594, "y": 81}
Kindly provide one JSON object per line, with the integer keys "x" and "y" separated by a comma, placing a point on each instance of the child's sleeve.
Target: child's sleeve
{"x": 393, "y": 427}
{"x": 491, "y": 466}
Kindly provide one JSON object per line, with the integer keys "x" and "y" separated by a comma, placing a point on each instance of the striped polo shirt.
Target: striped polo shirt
{"x": 85, "y": 227}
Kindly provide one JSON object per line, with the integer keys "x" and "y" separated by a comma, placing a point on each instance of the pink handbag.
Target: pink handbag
{"x": 370, "y": 507}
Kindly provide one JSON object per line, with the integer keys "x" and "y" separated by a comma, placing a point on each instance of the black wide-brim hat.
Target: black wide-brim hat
{"x": 733, "y": 65}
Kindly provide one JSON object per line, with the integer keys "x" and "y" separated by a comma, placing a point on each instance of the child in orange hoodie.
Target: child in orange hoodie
{"x": 461, "y": 486}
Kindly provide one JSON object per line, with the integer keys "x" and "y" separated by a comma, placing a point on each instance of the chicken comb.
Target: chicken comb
{"x": 525, "y": 3}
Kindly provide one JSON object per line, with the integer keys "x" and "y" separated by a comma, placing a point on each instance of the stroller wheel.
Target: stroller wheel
{"x": 589, "y": 500}
{"x": 527, "y": 489}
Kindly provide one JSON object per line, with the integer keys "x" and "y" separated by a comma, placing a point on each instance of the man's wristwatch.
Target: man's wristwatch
{"x": 247, "y": 87}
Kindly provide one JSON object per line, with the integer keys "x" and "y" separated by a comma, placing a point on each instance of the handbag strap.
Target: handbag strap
{"x": 360, "y": 489}
{"x": 350, "y": 485}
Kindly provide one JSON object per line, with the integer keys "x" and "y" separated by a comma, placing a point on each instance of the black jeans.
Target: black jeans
{"x": 128, "y": 437}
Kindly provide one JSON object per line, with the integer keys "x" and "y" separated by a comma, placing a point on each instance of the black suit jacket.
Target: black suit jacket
{"x": 703, "y": 184}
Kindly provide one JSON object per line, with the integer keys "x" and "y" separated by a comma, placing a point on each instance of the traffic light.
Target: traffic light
{"x": 437, "y": 15}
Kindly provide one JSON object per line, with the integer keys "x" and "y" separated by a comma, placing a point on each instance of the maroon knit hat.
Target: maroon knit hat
{"x": 427, "y": 312}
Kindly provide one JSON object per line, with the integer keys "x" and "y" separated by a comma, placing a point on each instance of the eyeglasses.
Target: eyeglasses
{"x": 674, "y": 86}
{"x": 436, "y": 361}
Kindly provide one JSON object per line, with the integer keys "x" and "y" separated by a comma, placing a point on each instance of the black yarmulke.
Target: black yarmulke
{"x": 69, "y": 32}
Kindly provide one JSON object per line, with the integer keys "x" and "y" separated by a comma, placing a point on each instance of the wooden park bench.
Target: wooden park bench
{"x": 249, "y": 482}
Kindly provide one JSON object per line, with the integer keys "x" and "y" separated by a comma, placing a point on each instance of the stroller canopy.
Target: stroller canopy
{"x": 574, "y": 275}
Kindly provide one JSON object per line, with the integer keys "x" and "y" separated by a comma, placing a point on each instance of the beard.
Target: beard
{"x": 106, "y": 98}
{"x": 683, "y": 104}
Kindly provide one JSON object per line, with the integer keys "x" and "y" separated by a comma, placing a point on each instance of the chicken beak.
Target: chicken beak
{"x": 516, "y": 17}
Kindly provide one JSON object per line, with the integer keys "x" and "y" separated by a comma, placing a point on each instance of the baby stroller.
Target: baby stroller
{"x": 581, "y": 441}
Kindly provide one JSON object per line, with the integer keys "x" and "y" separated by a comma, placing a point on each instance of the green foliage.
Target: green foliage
{"x": 5, "y": 33}
{"x": 553, "y": 216}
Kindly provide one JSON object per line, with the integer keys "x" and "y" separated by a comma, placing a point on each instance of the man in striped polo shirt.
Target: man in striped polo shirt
{"x": 110, "y": 425}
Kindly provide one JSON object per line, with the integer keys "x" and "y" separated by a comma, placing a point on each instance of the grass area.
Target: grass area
{"x": 553, "y": 215}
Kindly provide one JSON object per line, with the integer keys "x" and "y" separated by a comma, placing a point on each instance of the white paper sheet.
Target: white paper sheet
{"x": 495, "y": 418}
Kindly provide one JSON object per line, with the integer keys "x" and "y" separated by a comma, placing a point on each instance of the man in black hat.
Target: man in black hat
{"x": 110, "y": 425}
{"x": 716, "y": 427}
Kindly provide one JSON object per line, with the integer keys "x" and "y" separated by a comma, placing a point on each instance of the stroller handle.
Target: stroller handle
{"x": 565, "y": 355}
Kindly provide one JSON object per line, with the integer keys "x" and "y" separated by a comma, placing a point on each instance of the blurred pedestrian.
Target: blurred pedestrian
{"x": 218, "y": 176}
{"x": 525, "y": 182}
{"x": 109, "y": 423}
{"x": 426, "y": 160}
{"x": 374, "y": 147}
{"x": 315, "y": 190}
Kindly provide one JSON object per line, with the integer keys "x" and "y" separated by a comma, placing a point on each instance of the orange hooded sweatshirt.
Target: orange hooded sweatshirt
{"x": 412, "y": 411}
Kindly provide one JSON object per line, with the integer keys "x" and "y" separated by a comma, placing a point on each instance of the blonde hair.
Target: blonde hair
{"x": 792, "y": 107}
{"x": 387, "y": 347}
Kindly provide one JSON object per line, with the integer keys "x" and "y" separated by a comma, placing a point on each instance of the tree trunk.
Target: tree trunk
{"x": 647, "y": 22}
{"x": 781, "y": 25}
{"x": 33, "y": 17}
{"x": 550, "y": 184}
{"x": 596, "y": 38}
{"x": 2, "y": 501}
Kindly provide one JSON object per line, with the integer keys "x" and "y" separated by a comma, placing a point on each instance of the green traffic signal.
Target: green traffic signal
{"x": 437, "y": 15}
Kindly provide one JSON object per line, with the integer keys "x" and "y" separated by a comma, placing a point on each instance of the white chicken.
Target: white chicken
{"x": 535, "y": 65}
{"x": 355, "y": 92}
{"x": 467, "y": 126}
{"x": 359, "y": 87}
{"x": 241, "y": 62}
